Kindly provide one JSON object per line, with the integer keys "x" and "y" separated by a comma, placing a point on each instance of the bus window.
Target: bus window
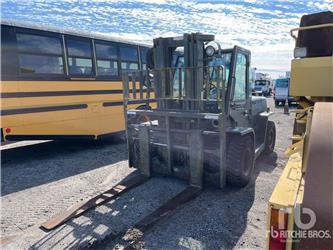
{"x": 38, "y": 64}
{"x": 79, "y": 57}
{"x": 39, "y": 44}
{"x": 129, "y": 66}
{"x": 107, "y": 64}
{"x": 39, "y": 54}
{"x": 129, "y": 58}
{"x": 143, "y": 53}
{"x": 128, "y": 54}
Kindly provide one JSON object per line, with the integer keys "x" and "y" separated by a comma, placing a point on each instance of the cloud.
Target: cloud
{"x": 261, "y": 26}
{"x": 321, "y": 5}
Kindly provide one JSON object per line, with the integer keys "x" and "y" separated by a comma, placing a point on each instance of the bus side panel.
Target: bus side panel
{"x": 61, "y": 108}
{"x": 77, "y": 122}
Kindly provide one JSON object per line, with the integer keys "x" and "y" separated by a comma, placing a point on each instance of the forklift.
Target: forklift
{"x": 206, "y": 127}
{"x": 197, "y": 121}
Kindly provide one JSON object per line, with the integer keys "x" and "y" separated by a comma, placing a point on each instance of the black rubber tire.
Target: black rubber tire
{"x": 270, "y": 138}
{"x": 277, "y": 103}
{"x": 240, "y": 160}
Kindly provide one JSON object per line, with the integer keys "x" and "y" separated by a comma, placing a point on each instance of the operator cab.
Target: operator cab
{"x": 216, "y": 68}
{"x": 224, "y": 60}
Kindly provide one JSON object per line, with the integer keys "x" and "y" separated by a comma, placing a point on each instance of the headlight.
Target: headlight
{"x": 210, "y": 50}
{"x": 300, "y": 52}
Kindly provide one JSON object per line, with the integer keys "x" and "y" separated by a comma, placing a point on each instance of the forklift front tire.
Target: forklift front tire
{"x": 240, "y": 160}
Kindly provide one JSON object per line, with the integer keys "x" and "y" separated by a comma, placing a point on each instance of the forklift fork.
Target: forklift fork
{"x": 189, "y": 193}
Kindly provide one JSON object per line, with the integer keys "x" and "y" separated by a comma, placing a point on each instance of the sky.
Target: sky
{"x": 261, "y": 26}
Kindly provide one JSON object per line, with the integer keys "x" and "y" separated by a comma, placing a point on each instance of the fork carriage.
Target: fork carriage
{"x": 183, "y": 136}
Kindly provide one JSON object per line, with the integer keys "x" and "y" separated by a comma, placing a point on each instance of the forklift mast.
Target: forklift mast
{"x": 193, "y": 46}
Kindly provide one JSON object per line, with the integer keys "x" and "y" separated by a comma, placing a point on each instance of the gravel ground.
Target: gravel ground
{"x": 40, "y": 179}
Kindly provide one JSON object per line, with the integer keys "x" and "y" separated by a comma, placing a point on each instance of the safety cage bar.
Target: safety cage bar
{"x": 186, "y": 88}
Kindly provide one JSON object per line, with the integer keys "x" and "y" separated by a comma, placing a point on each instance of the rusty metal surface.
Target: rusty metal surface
{"x": 184, "y": 196}
{"x": 81, "y": 207}
{"x": 318, "y": 192}
{"x": 130, "y": 239}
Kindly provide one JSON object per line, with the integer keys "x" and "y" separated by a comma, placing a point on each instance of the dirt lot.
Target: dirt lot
{"x": 40, "y": 179}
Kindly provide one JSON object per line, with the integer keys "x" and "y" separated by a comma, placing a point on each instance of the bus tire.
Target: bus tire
{"x": 240, "y": 160}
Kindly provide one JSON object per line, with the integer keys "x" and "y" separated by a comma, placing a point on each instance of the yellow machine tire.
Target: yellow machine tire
{"x": 318, "y": 189}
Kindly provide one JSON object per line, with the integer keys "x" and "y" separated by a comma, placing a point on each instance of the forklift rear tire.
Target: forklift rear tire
{"x": 240, "y": 160}
{"x": 270, "y": 138}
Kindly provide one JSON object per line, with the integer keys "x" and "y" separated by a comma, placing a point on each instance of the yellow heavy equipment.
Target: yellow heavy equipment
{"x": 300, "y": 209}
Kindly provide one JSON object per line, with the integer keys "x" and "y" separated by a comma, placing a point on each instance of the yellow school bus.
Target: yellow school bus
{"x": 58, "y": 84}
